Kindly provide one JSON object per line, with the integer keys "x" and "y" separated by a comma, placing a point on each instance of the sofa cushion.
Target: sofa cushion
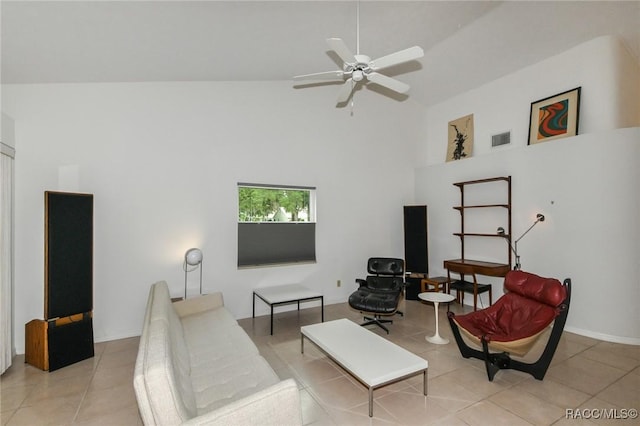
{"x": 168, "y": 387}
{"x": 208, "y": 343}
{"x": 220, "y": 386}
{"x": 220, "y": 315}
{"x": 162, "y": 311}
{"x": 208, "y": 323}
{"x": 144, "y": 405}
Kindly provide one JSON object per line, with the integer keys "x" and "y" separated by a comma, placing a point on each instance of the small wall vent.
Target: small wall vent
{"x": 501, "y": 139}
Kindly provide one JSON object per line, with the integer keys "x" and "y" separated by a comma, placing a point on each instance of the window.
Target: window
{"x": 276, "y": 224}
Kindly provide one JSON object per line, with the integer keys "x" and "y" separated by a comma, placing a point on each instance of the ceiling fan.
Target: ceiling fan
{"x": 359, "y": 68}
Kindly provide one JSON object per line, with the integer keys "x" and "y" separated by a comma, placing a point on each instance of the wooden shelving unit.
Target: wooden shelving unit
{"x": 467, "y": 209}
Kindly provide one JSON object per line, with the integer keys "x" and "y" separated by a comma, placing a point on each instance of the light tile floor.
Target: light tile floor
{"x": 596, "y": 377}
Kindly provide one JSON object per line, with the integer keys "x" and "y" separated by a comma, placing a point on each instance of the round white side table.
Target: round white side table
{"x": 436, "y": 298}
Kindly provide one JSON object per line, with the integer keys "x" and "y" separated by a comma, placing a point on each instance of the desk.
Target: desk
{"x": 285, "y": 294}
{"x": 490, "y": 269}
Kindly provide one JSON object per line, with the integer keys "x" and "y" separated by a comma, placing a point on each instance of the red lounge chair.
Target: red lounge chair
{"x": 515, "y": 322}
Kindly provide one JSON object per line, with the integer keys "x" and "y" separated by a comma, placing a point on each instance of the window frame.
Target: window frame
{"x": 273, "y": 243}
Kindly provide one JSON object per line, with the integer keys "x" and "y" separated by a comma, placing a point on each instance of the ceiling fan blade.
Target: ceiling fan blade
{"x": 388, "y": 82}
{"x": 345, "y": 91}
{"x": 327, "y": 75}
{"x": 399, "y": 57}
{"x": 339, "y": 46}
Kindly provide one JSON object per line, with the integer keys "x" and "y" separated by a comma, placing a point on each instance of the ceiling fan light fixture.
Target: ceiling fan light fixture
{"x": 360, "y": 68}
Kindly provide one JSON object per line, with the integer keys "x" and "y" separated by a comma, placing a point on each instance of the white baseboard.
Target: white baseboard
{"x": 605, "y": 337}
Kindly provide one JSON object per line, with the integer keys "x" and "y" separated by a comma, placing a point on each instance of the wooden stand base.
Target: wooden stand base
{"x": 54, "y": 344}
{"x": 36, "y": 348}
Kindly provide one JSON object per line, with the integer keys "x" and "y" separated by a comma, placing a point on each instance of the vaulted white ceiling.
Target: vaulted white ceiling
{"x": 466, "y": 43}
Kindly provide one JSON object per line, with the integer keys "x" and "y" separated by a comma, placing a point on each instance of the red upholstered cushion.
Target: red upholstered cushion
{"x": 545, "y": 290}
{"x": 512, "y": 317}
{"x": 530, "y": 305}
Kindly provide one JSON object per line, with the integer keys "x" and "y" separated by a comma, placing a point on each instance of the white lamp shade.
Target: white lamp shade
{"x": 193, "y": 256}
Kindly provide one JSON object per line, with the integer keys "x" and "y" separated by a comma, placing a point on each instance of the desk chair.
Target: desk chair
{"x": 461, "y": 286}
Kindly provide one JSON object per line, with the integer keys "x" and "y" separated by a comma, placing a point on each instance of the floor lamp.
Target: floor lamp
{"x": 517, "y": 267}
{"x": 193, "y": 259}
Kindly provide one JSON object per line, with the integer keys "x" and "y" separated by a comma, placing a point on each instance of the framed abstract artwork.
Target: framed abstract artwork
{"x": 460, "y": 140}
{"x": 554, "y": 117}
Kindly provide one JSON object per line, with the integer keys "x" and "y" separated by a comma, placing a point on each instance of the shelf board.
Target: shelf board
{"x": 472, "y": 182}
{"x": 481, "y": 206}
{"x": 475, "y": 234}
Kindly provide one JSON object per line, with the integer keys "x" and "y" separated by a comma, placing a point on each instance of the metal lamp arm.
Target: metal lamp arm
{"x": 530, "y": 228}
{"x": 514, "y": 247}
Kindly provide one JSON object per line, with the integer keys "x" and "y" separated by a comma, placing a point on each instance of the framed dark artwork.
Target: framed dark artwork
{"x": 555, "y": 117}
{"x": 460, "y": 140}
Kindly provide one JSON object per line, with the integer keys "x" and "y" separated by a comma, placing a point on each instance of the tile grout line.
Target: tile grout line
{"x": 86, "y": 390}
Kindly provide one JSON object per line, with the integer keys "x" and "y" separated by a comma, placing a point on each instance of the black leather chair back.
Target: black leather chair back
{"x": 380, "y": 293}
{"x": 385, "y": 266}
{"x": 385, "y": 283}
{"x": 388, "y": 273}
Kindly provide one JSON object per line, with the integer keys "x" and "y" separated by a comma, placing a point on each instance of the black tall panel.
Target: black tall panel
{"x": 68, "y": 254}
{"x": 70, "y": 343}
{"x": 65, "y": 336}
{"x": 415, "y": 239}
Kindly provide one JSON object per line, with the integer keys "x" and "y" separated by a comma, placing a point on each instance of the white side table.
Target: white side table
{"x": 284, "y": 294}
{"x": 436, "y": 298}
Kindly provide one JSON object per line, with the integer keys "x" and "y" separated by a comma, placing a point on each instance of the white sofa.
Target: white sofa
{"x": 197, "y": 366}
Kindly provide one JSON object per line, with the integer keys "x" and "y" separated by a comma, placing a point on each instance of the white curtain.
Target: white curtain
{"x": 6, "y": 256}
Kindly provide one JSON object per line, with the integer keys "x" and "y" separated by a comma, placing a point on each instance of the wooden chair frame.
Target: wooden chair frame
{"x": 477, "y": 288}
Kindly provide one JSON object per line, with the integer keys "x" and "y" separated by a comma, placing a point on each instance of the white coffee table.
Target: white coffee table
{"x": 436, "y": 298}
{"x": 370, "y": 358}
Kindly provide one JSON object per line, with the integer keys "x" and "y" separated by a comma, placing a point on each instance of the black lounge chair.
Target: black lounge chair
{"x": 380, "y": 293}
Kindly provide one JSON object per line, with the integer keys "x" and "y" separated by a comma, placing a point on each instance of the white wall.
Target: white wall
{"x": 163, "y": 161}
{"x": 586, "y": 186}
{"x": 606, "y": 71}
{"x": 7, "y": 130}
